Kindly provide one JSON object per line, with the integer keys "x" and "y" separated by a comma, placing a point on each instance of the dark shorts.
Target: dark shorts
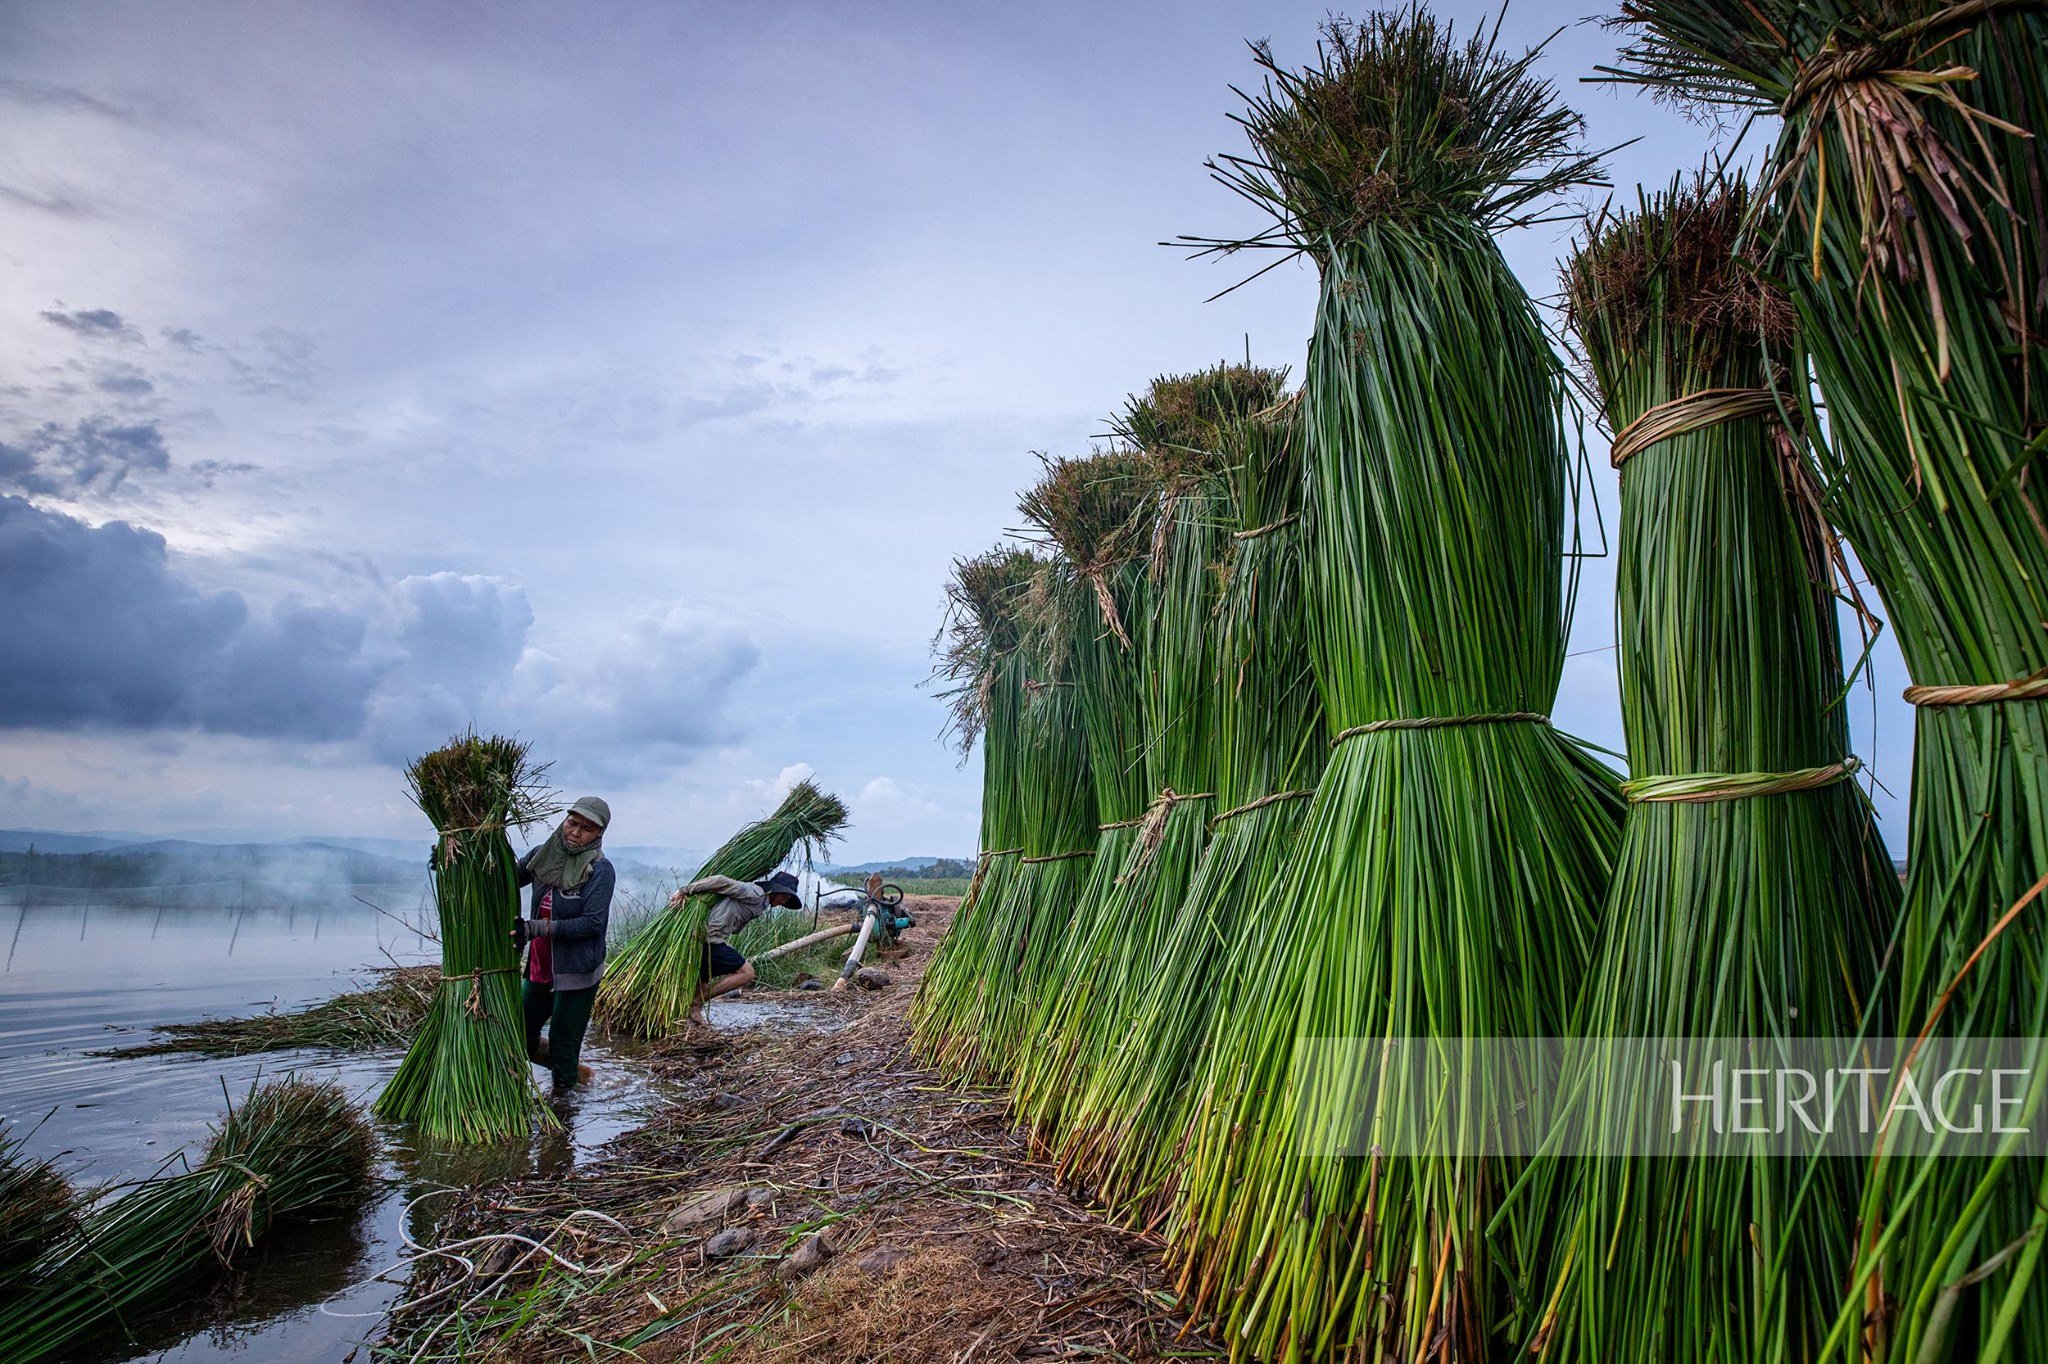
{"x": 720, "y": 959}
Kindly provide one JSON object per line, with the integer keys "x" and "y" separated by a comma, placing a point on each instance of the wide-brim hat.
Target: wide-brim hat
{"x": 781, "y": 882}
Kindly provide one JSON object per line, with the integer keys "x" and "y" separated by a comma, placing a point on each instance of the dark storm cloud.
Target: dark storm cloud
{"x": 101, "y": 632}
{"x": 94, "y": 455}
{"x": 95, "y": 324}
{"x": 123, "y": 381}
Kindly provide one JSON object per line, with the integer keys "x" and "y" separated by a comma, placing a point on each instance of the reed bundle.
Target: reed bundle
{"x": 651, "y": 984}
{"x": 1744, "y": 910}
{"x": 1111, "y": 950}
{"x": 1266, "y": 728}
{"x": 1449, "y": 869}
{"x": 1910, "y": 176}
{"x": 981, "y": 662}
{"x": 465, "y": 1078}
{"x": 292, "y": 1150}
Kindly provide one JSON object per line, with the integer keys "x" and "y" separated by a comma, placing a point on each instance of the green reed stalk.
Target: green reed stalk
{"x": 651, "y": 983}
{"x": 1750, "y": 917}
{"x": 1910, "y": 175}
{"x": 1451, "y": 864}
{"x": 465, "y": 1078}
{"x": 292, "y": 1150}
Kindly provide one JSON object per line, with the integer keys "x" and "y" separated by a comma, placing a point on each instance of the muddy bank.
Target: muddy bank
{"x": 814, "y": 1194}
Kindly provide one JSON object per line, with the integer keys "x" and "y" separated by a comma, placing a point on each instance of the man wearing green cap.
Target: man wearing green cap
{"x": 572, "y": 884}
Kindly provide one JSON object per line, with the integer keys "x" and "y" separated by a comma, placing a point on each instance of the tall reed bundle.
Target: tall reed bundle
{"x": 1754, "y": 896}
{"x": 651, "y": 984}
{"x": 1911, "y": 177}
{"x": 980, "y": 660}
{"x": 1266, "y": 731}
{"x": 1112, "y": 954}
{"x": 293, "y": 1150}
{"x": 1058, "y": 839}
{"x": 1451, "y": 864}
{"x": 465, "y": 1078}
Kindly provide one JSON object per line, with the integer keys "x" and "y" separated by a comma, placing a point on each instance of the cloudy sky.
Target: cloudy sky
{"x": 625, "y": 375}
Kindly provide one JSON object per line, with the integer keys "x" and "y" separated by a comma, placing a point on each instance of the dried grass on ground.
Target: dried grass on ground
{"x": 937, "y": 1237}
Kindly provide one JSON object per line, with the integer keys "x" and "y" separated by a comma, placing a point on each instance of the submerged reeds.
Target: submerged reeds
{"x": 1910, "y": 179}
{"x": 650, "y": 985}
{"x": 466, "y": 1078}
{"x": 1754, "y": 898}
{"x": 292, "y": 1149}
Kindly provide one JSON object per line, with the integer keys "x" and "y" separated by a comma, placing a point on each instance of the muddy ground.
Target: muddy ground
{"x": 816, "y": 1195}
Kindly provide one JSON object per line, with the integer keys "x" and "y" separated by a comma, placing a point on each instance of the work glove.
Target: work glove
{"x": 521, "y": 933}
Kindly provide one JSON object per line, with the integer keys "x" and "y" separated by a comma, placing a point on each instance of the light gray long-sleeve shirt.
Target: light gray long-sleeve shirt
{"x": 740, "y": 903}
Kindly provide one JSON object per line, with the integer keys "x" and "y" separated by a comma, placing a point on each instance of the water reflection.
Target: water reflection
{"x": 86, "y": 978}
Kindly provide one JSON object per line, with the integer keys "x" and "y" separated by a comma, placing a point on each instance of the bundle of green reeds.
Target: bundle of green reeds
{"x": 651, "y": 984}
{"x": 1754, "y": 897}
{"x": 38, "y": 1210}
{"x": 991, "y": 672}
{"x": 1267, "y": 736}
{"x": 1111, "y": 946}
{"x": 1910, "y": 176}
{"x": 1451, "y": 864}
{"x": 292, "y": 1150}
{"x": 1095, "y": 511}
{"x": 465, "y": 1078}
{"x": 1058, "y": 836}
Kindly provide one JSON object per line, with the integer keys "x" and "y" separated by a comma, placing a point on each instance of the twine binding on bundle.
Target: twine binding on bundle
{"x": 1693, "y": 412}
{"x": 1512, "y": 717}
{"x": 2033, "y": 687}
{"x": 1701, "y": 788}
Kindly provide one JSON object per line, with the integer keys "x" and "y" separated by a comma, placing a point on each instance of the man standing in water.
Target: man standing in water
{"x": 739, "y": 904}
{"x": 572, "y": 884}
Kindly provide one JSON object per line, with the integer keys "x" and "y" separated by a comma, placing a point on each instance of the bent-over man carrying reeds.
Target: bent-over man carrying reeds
{"x": 572, "y": 884}
{"x": 739, "y": 904}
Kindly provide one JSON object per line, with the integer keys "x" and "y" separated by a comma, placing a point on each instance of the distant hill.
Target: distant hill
{"x": 42, "y": 840}
{"x": 162, "y": 862}
{"x": 893, "y": 864}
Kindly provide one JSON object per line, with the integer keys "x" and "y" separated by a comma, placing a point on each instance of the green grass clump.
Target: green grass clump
{"x": 386, "y": 1014}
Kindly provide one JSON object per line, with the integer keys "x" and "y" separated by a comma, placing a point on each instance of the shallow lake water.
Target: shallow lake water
{"x": 81, "y": 978}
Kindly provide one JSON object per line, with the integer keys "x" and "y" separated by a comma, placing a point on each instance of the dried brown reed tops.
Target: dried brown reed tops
{"x": 1684, "y": 261}
{"x": 473, "y": 783}
{"x": 984, "y": 601}
{"x": 1182, "y": 421}
{"x": 1396, "y": 120}
{"x": 1096, "y": 508}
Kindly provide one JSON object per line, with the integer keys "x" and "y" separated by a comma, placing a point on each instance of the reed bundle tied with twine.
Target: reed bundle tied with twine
{"x": 650, "y": 985}
{"x": 466, "y": 1078}
{"x": 1754, "y": 897}
{"x": 292, "y": 1150}
{"x": 1909, "y": 181}
{"x": 1451, "y": 864}
{"x": 1266, "y": 734}
{"x": 1005, "y": 672}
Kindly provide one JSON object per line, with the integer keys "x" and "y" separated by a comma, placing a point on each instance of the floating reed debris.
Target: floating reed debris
{"x": 1910, "y": 179}
{"x": 1754, "y": 916}
{"x": 386, "y": 1014}
{"x": 292, "y": 1150}
{"x": 651, "y": 983}
{"x": 1451, "y": 864}
{"x": 466, "y": 1078}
